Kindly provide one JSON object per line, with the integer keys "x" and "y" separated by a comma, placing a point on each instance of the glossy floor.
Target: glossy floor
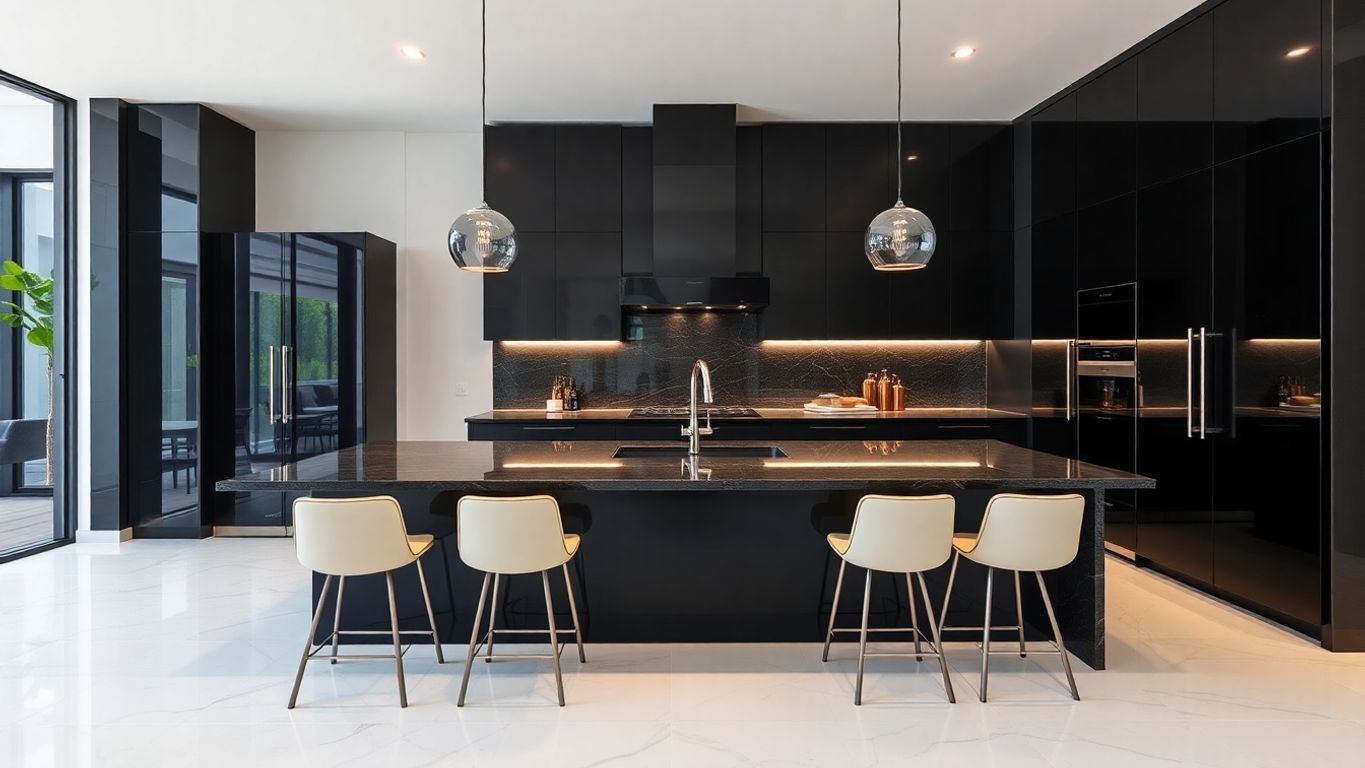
{"x": 181, "y": 653}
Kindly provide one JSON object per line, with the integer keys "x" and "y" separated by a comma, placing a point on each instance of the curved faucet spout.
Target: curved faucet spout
{"x": 692, "y": 431}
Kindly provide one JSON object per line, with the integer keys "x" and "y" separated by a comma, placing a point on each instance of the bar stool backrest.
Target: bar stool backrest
{"x": 901, "y": 534}
{"x": 1030, "y": 533}
{"x": 521, "y": 534}
{"x": 351, "y": 537}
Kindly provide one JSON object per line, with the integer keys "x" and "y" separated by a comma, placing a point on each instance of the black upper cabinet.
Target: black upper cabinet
{"x": 981, "y": 189}
{"x": 857, "y": 168}
{"x": 1106, "y": 135}
{"x": 1106, "y": 243}
{"x": 587, "y": 176}
{"x": 793, "y": 178}
{"x": 1262, "y": 96}
{"x": 795, "y": 265}
{"x": 921, "y": 300}
{"x": 1054, "y": 278}
{"x": 1054, "y": 160}
{"x": 856, "y": 294}
{"x": 520, "y": 174}
{"x": 1175, "y": 103}
{"x": 749, "y": 200}
{"x": 982, "y": 283}
{"x": 587, "y": 299}
{"x": 1268, "y": 277}
{"x": 927, "y": 164}
{"x": 637, "y": 201}
{"x": 520, "y": 304}
{"x": 1175, "y": 257}
{"x": 191, "y": 170}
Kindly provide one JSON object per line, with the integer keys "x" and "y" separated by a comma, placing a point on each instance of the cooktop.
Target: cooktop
{"x": 673, "y": 411}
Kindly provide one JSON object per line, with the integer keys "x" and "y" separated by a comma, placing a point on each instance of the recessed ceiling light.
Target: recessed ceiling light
{"x": 912, "y": 157}
{"x": 963, "y": 52}
{"x": 411, "y": 52}
{"x": 1294, "y": 53}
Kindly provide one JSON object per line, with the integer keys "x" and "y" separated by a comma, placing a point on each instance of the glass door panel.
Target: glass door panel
{"x": 316, "y": 364}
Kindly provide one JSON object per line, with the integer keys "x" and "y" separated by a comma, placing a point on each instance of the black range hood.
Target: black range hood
{"x": 695, "y": 215}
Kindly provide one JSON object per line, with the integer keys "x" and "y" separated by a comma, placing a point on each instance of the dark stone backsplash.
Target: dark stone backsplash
{"x": 653, "y": 365}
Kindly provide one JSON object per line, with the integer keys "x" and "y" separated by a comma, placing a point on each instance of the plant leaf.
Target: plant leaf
{"x": 12, "y": 267}
{"x": 11, "y": 283}
{"x": 41, "y": 337}
{"x": 12, "y": 320}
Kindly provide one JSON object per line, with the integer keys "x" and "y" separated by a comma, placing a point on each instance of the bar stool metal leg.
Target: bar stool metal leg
{"x": 862, "y": 640}
{"x": 986, "y": 634}
{"x": 431, "y": 615}
{"x": 554, "y": 637}
{"x": 948, "y": 593}
{"x": 1019, "y": 615}
{"x": 914, "y": 617}
{"x": 474, "y": 638}
{"x": 573, "y": 611}
{"x": 397, "y": 642}
{"x": 1057, "y": 633}
{"x": 938, "y": 638}
{"x": 336, "y": 618}
{"x": 308, "y": 644}
{"x": 834, "y": 609}
{"x": 492, "y": 619}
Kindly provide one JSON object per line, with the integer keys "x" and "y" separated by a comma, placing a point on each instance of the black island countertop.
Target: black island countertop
{"x": 764, "y": 415}
{"x": 593, "y": 465}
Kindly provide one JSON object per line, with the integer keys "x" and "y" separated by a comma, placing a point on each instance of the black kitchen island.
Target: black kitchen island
{"x": 728, "y": 548}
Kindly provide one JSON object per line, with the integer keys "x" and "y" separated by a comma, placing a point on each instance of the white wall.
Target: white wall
{"x": 406, "y": 187}
{"x": 26, "y": 136}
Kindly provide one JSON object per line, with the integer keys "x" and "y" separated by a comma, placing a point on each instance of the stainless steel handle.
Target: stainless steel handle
{"x": 270, "y": 387}
{"x": 549, "y": 429}
{"x": 1070, "y": 353}
{"x": 1203, "y": 377}
{"x": 1189, "y": 382}
{"x": 286, "y": 401}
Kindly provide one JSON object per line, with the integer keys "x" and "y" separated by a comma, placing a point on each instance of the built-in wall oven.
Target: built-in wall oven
{"x": 1108, "y": 394}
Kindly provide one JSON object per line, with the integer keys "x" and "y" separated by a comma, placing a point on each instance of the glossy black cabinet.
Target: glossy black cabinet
{"x": 587, "y": 286}
{"x": 858, "y": 165}
{"x": 855, "y": 294}
{"x": 1054, "y": 160}
{"x": 1110, "y": 440}
{"x": 981, "y": 188}
{"x": 982, "y": 286}
{"x": 626, "y": 430}
{"x": 749, "y": 200}
{"x": 927, "y": 164}
{"x": 519, "y": 174}
{"x": 1175, "y": 520}
{"x": 793, "y": 178}
{"x": 794, "y": 263}
{"x": 1263, "y": 95}
{"x": 1175, "y": 259}
{"x": 1106, "y": 243}
{"x": 1106, "y": 135}
{"x": 519, "y": 304}
{"x": 587, "y": 174}
{"x": 542, "y": 430}
{"x": 637, "y": 201}
{"x": 1269, "y": 277}
{"x": 921, "y": 302}
{"x": 1175, "y": 103}
{"x": 1054, "y": 278}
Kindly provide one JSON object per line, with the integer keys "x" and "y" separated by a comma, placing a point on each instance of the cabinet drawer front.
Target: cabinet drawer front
{"x": 547, "y": 431}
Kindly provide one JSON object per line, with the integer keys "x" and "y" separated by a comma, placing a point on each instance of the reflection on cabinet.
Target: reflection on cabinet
{"x": 856, "y": 295}
{"x": 1175, "y": 519}
{"x": 1175, "y": 103}
{"x": 1175, "y": 258}
{"x": 520, "y": 304}
{"x": 921, "y": 301}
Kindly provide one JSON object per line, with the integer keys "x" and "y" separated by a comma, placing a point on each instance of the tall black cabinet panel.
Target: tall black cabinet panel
{"x": 519, "y": 174}
{"x": 921, "y": 301}
{"x": 587, "y": 270}
{"x": 982, "y": 183}
{"x": 587, "y": 174}
{"x": 1175, "y": 103}
{"x": 982, "y": 285}
{"x": 858, "y": 165}
{"x": 1106, "y": 135}
{"x": 1262, "y": 95}
{"x": 856, "y": 294}
{"x": 927, "y": 164}
{"x": 794, "y": 263}
{"x": 793, "y": 178}
{"x": 1054, "y": 160}
{"x": 1054, "y": 278}
{"x": 637, "y": 201}
{"x": 519, "y": 304}
{"x": 1106, "y": 242}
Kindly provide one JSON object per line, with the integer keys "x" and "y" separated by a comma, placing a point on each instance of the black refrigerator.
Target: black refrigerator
{"x": 303, "y": 348}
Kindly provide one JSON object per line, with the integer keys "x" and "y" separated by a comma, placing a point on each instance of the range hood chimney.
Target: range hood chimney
{"x": 695, "y": 209}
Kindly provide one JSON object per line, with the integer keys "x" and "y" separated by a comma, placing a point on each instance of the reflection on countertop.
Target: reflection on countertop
{"x": 770, "y": 414}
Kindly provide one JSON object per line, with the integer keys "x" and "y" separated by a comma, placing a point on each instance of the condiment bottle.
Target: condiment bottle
{"x": 870, "y": 389}
{"x": 897, "y": 394}
{"x": 884, "y": 391}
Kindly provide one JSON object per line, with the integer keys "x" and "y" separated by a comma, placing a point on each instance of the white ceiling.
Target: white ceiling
{"x": 333, "y": 64}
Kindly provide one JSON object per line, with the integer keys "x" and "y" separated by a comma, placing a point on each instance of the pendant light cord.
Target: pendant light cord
{"x": 483, "y": 101}
{"x": 900, "y": 160}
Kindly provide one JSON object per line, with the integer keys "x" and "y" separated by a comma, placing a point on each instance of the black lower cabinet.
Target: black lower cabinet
{"x": 1108, "y": 439}
{"x": 1174, "y": 520}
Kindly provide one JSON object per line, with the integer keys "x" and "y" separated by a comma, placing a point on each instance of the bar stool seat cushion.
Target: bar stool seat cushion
{"x": 420, "y": 543}
{"x": 571, "y": 542}
{"x": 838, "y": 542}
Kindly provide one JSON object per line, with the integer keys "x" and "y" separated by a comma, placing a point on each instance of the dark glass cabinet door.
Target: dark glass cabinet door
{"x": 1174, "y": 521}
{"x": 1106, "y": 241}
{"x": 1175, "y": 103}
{"x": 587, "y": 301}
{"x": 1054, "y": 278}
{"x": 519, "y": 304}
{"x": 1106, "y": 136}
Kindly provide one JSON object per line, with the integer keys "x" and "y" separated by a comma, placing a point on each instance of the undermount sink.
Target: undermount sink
{"x": 680, "y": 451}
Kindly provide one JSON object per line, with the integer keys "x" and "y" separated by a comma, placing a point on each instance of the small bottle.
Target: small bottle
{"x": 571, "y": 396}
{"x": 897, "y": 394}
{"x": 870, "y": 389}
{"x": 884, "y": 390}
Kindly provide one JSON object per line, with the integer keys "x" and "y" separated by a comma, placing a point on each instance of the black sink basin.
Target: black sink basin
{"x": 680, "y": 451}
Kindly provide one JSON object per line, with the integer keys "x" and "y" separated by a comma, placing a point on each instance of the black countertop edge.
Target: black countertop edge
{"x": 515, "y": 415}
{"x": 692, "y": 486}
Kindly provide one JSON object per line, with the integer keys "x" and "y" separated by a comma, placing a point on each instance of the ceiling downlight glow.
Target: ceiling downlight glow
{"x": 411, "y": 52}
{"x": 963, "y": 52}
{"x": 1294, "y": 53}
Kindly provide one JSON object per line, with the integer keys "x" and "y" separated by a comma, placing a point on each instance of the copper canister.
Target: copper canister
{"x": 897, "y": 395}
{"x": 884, "y": 391}
{"x": 870, "y": 389}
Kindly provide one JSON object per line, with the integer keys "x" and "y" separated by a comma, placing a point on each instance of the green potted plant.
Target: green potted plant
{"x": 34, "y": 318}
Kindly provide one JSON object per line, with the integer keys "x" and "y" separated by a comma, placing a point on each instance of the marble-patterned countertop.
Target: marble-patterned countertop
{"x": 383, "y": 467}
{"x": 770, "y": 414}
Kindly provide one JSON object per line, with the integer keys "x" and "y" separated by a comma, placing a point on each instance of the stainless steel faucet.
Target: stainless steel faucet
{"x": 692, "y": 431}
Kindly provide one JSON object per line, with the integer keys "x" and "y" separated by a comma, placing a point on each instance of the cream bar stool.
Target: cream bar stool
{"x": 1021, "y": 533}
{"x": 357, "y": 537}
{"x": 895, "y": 534}
{"x": 507, "y": 536}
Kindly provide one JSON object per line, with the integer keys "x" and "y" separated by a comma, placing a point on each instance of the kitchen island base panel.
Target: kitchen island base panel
{"x": 725, "y": 566}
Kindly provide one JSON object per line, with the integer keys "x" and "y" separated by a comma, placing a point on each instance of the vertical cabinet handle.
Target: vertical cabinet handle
{"x": 1203, "y": 382}
{"x": 1070, "y": 374}
{"x": 270, "y": 386}
{"x": 286, "y": 406}
{"x": 1189, "y": 382}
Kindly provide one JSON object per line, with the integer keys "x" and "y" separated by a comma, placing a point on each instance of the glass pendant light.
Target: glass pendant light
{"x": 900, "y": 238}
{"x": 481, "y": 239}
